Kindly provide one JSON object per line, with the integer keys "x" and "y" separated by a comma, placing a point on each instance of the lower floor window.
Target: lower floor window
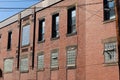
{"x": 110, "y": 52}
{"x": 8, "y": 65}
{"x": 24, "y": 64}
{"x": 71, "y": 56}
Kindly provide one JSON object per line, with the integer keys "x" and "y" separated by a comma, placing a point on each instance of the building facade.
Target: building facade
{"x": 60, "y": 40}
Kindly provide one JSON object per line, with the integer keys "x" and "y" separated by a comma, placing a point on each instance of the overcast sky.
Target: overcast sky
{"x": 6, "y": 13}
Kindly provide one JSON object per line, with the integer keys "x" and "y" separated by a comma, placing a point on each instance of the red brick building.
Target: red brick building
{"x": 60, "y": 40}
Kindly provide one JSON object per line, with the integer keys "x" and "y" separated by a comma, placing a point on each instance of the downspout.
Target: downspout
{"x": 18, "y": 56}
{"x": 34, "y": 30}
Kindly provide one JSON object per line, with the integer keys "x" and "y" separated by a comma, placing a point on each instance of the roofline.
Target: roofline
{"x": 40, "y": 6}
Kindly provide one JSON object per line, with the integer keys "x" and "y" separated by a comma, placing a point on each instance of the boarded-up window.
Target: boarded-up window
{"x": 26, "y": 35}
{"x": 40, "y": 61}
{"x": 24, "y": 64}
{"x": 8, "y": 65}
{"x": 71, "y": 56}
{"x": 54, "y": 59}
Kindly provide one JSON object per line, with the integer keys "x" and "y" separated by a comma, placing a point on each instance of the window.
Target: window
{"x": 71, "y": 56}
{"x": 71, "y": 24}
{"x": 24, "y": 64}
{"x": 9, "y": 40}
{"x": 55, "y": 26}
{"x": 8, "y": 65}
{"x": 54, "y": 59}
{"x": 40, "y": 61}
{"x": 25, "y": 35}
{"x": 41, "y": 31}
{"x": 110, "y": 52}
{"x": 109, "y": 9}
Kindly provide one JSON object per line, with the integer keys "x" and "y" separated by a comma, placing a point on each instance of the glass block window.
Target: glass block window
{"x": 71, "y": 22}
{"x": 110, "y": 52}
{"x": 8, "y": 65}
{"x": 54, "y": 59}
{"x": 71, "y": 56}
{"x": 26, "y": 35}
{"x": 109, "y": 9}
{"x": 24, "y": 64}
{"x": 40, "y": 61}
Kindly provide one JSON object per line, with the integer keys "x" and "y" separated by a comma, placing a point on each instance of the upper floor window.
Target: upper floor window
{"x": 71, "y": 21}
{"x": 109, "y": 9}
{"x": 9, "y": 40}
{"x": 24, "y": 64}
{"x": 41, "y": 31}
{"x": 71, "y": 56}
{"x": 55, "y": 25}
{"x": 26, "y": 35}
{"x": 40, "y": 61}
{"x": 54, "y": 59}
{"x": 110, "y": 52}
{"x": 8, "y": 65}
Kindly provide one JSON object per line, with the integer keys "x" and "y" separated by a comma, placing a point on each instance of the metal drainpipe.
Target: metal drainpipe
{"x": 18, "y": 56}
{"x": 33, "y": 53}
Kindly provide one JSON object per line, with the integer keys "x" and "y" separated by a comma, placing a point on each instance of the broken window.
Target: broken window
{"x": 110, "y": 52}
{"x": 109, "y": 9}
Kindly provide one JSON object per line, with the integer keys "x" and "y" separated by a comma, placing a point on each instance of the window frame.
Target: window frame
{"x": 114, "y": 52}
{"x": 9, "y": 41}
{"x": 71, "y": 66}
{"x": 55, "y": 29}
{"x": 56, "y": 66}
{"x": 11, "y": 65}
{"x": 41, "y": 27}
{"x": 27, "y": 70}
{"x": 107, "y": 10}
{"x": 40, "y": 54}
{"x": 71, "y": 29}
{"x": 28, "y": 43}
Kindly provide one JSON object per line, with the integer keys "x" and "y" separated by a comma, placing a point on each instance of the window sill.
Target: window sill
{"x": 54, "y": 68}
{"x": 8, "y": 72}
{"x": 41, "y": 69}
{"x": 55, "y": 38}
{"x": 25, "y": 71}
{"x": 25, "y": 45}
{"x": 9, "y": 49}
{"x": 42, "y": 41}
{"x": 71, "y": 34}
{"x": 111, "y": 64}
{"x": 71, "y": 66}
{"x": 108, "y": 21}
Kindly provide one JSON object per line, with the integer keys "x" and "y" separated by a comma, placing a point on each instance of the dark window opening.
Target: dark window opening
{"x": 41, "y": 31}
{"x": 71, "y": 20}
{"x": 0, "y": 36}
{"x": 1, "y": 73}
{"x": 55, "y": 26}
{"x": 109, "y": 9}
{"x": 9, "y": 40}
